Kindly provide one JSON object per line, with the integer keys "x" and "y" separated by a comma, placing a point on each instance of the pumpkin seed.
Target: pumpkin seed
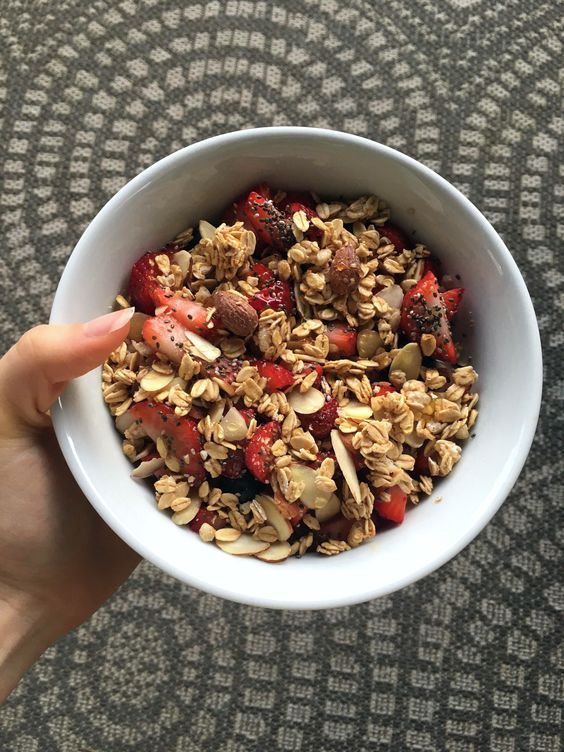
{"x": 367, "y": 342}
{"x": 408, "y": 360}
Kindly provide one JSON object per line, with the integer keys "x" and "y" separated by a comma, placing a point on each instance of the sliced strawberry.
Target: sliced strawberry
{"x": 423, "y": 312}
{"x": 142, "y": 281}
{"x": 394, "y": 509}
{"x": 234, "y": 466}
{"x": 342, "y": 340}
{"x": 206, "y": 515}
{"x": 395, "y": 236}
{"x": 277, "y": 377}
{"x": 193, "y": 316}
{"x": 337, "y": 528}
{"x": 158, "y": 419}
{"x": 319, "y": 424}
{"x": 258, "y": 455}
{"x": 357, "y": 457}
{"x": 223, "y": 368}
{"x": 452, "y": 299}
{"x": 292, "y": 511}
{"x": 318, "y": 368}
{"x": 303, "y": 198}
{"x": 166, "y": 335}
{"x": 248, "y": 413}
{"x": 383, "y": 387}
{"x": 277, "y": 296}
{"x": 263, "y": 189}
{"x": 265, "y": 275}
{"x": 269, "y": 224}
{"x": 234, "y": 213}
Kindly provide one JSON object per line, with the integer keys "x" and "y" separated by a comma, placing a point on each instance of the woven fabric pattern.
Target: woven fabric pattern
{"x": 471, "y": 658}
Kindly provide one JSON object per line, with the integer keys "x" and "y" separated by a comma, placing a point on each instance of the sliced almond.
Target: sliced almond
{"x": 414, "y": 440}
{"x": 204, "y": 349}
{"x": 330, "y": 509}
{"x": 346, "y": 464}
{"x": 408, "y": 360}
{"x": 356, "y": 411}
{"x": 154, "y": 382}
{"x": 234, "y": 425}
{"x": 187, "y": 514}
{"x": 311, "y": 496}
{"x": 182, "y": 259}
{"x": 136, "y": 325}
{"x": 124, "y": 421}
{"x": 275, "y": 517}
{"x": 245, "y": 545}
{"x": 393, "y": 295}
{"x": 207, "y": 230}
{"x": 227, "y": 534}
{"x": 148, "y": 467}
{"x": 306, "y": 403}
{"x": 275, "y": 552}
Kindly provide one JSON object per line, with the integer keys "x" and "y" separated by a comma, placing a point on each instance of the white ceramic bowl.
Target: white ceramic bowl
{"x": 197, "y": 182}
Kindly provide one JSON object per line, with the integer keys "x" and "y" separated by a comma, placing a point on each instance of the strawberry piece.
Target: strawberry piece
{"x": 357, "y": 457}
{"x": 234, "y": 466}
{"x": 394, "y": 509}
{"x": 186, "y": 443}
{"x": 383, "y": 387}
{"x": 303, "y": 198}
{"x": 337, "y": 528}
{"x": 166, "y": 335}
{"x": 292, "y": 511}
{"x": 452, "y": 299}
{"x": 268, "y": 223}
{"x": 277, "y": 377}
{"x": 277, "y": 296}
{"x": 319, "y": 424}
{"x": 248, "y": 413}
{"x": 318, "y": 368}
{"x": 234, "y": 213}
{"x": 206, "y": 515}
{"x": 264, "y": 190}
{"x": 265, "y": 275}
{"x": 423, "y": 312}
{"x": 143, "y": 281}
{"x": 193, "y": 316}
{"x": 395, "y": 236}
{"x": 258, "y": 455}
{"x": 223, "y": 368}
{"x": 342, "y": 340}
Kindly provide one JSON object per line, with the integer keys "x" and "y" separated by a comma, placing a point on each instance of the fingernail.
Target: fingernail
{"x": 108, "y": 323}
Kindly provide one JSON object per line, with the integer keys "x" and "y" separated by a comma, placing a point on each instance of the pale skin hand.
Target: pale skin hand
{"x": 59, "y": 561}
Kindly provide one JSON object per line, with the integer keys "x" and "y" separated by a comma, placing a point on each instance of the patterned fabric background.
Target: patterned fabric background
{"x": 471, "y": 658}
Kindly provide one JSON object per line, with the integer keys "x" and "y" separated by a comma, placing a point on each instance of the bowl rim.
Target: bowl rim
{"x": 532, "y": 337}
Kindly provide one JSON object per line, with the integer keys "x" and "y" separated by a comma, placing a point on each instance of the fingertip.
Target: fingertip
{"x": 108, "y": 323}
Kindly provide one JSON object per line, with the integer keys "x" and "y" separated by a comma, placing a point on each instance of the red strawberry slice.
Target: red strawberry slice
{"x": 395, "y": 236}
{"x": 193, "y": 316}
{"x": 166, "y": 335}
{"x": 248, "y": 413}
{"x": 423, "y": 312}
{"x": 303, "y": 198}
{"x": 269, "y": 224}
{"x": 258, "y": 455}
{"x": 277, "y": 377}
{"x": 277, "y": 296}
{"x": 234, "y": 466}
{"x": 394, "y": 509}
{"x": 319, "y": 424}
{"x": 265, "y": 275}
{"x": 234, "y": 213}
{"x": 292, "y": 511}
{"x": 342, "y": 340}
{"x": 452, "y": 299}
{"x": 337, "y": 528}
{"x": 142, "y": 281}
{"x": 383, "y": 387}
{"x": 206, "y": 515}
{"x": 186, "y": 443}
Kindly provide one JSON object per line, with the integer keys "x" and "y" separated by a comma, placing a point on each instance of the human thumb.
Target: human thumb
{"x": 35, "y": 371}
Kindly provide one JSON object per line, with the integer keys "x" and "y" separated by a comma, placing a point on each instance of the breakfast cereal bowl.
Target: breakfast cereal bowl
{"x": 497, "y": 322}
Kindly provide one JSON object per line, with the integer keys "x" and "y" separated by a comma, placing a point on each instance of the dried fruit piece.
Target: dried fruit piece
{"x": 342, "y": 340}
{"x": 258, "y": 452}
{"x": 344, "y": 272}
{"x": 236, "y": 314}
{"x": 320, "y": 423}
{"x": 306, "y": 403}
{"x": 367, "y": 343}
{"x": 346, "y": 464}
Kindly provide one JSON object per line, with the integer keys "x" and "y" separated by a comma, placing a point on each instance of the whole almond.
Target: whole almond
{"x": 344, "y": 272}
{"x": 236, "y": 315}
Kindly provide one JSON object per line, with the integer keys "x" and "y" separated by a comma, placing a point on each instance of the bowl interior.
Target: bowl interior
{"x": 198, "y": 182}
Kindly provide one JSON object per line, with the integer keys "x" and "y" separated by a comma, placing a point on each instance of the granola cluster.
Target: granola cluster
{"x": 400, "y": 415}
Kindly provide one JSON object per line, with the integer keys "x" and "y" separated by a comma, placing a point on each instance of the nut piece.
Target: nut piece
{"x": 344, "y": 272}
{"x": 235, "y": 313}
{"x": 407, "y": 360}
{"x": 428, "y": 344}
{"x": 306, "y": 403}
{"x": 276, "y": 552}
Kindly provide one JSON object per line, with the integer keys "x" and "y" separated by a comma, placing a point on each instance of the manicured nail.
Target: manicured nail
{"x": 108, "y": 323}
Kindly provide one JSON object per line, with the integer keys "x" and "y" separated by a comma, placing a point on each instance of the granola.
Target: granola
{"x": 290, "y": 380}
